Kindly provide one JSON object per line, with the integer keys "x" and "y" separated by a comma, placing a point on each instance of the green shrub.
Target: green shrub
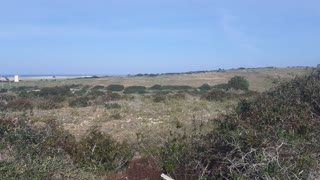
{"x": 156, "y": 87}
{"x": 205, "y": 87}
{"x": 54, "y": 91}
{"x": 3, "y": 90}
{"x": 115, "y": 87}
{"x": 113, "y": 96}
{"x": 135, "y": 89}
{"x": 47, "y": 104}
{"x": 79, "y": 102}
{"x": 93, "y": 94}
{"x": 100, "y": 152}
{"x": 20, "y": 105}
{"x": 98, "y": 87}
{"x": 159, "y": 97}
{"x": 173, "y": 87}
{"x": 239, "y": 83}
{"x": 32, "y": 153}
{"x": 215, "y": 95}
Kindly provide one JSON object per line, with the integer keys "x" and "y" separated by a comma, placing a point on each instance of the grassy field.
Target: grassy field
{"x": 142, "y": 113}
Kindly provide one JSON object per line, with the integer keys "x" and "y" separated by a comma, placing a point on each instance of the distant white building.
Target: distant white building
{"x": 16, "y": 78}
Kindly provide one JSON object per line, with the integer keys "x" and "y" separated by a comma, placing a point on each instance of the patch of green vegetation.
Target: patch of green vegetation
{"x": 205, "y": 87}
{"x": 115, "y": 87}
{"x": 79, "y": 102}
{"x": 100, "y": 153}
{"x": 135, "y": 89}
{"x": 30, "y": 152}
{"x": 42, "y": 149}
{"x": 98, "y": 87}
{"x": 239, "y": 83}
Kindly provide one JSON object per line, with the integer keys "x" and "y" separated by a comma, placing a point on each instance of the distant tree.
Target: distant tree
{"x": 239, "y": 83}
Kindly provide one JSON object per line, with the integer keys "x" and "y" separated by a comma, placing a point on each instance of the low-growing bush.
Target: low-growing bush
{"x": 54, "y": 91}
{"x": 47, "y": 104}
{"x": 173, "y": 87}
{"x": 115, "y": 87}
{"x": 3, "y": 90}
{"x": 159, "y": 98}
{"x": 156, "y": 87}
{"x": 20, "y": 104}
{"x": 135, "y": 89}
{"x": 239, "y": 83}
{"x": 101, "y": 153}
{"x": 215, "y": 95}
{"x": 79, "y": 102}
{"x": 113, "y": 96}
{"x": 32, "y": 153}
{"x": 93, "y": 94}
{"x": 98, "y": 87}
{"x": 205, "y": 87}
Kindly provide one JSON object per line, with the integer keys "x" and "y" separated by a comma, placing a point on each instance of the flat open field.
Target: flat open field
{"x": 260, "y": 79}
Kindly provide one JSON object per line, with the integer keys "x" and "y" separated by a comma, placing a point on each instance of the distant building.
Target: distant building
{"x": 16, "y": 78}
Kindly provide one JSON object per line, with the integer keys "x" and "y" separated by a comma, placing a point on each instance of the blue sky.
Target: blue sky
{"x": 151, "y": 36}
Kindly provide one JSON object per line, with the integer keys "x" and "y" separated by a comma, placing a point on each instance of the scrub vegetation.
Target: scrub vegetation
{"x": 226, "y": 130}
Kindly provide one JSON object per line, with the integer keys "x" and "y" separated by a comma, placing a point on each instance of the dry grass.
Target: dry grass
{"x": 141, "y": 114}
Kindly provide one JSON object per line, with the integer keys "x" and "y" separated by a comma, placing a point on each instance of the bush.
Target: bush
{"x": 54, "y": 91}
{"x": 47, "y": 104}
{"x": 20, "y": 105}
{"x": 113, "y": 96}
{"x": 100, "y": 152}
{"x": 135, "y": 89}
{"x": 239, "y": 83}
{"x": 79, "y": 102}
{"x": 98, "y": 87}
{"x": 159, "y": 98}
{"x": 172, "y": 87}
{"x": 156, "y": 87}
{"x": 115, "y": 87}
{"x": 93, "y": 94}
{"x": 214, "y": 95}
{"x": 3, "y": 90}
{"x": 31, "y": 153}
{"x": 205, "y": 87}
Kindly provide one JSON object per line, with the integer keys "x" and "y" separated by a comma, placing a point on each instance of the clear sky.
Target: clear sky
{"x": 151, "y": 36}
